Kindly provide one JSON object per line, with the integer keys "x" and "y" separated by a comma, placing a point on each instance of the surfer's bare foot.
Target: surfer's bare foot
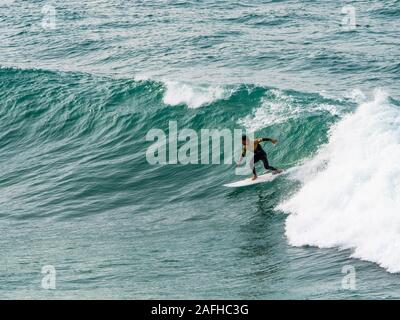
{"x": 277, "y": 171}
{"x": 254, "y": 177}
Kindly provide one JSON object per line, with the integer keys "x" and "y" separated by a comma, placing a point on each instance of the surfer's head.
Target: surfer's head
{"x": 244, "y": 139}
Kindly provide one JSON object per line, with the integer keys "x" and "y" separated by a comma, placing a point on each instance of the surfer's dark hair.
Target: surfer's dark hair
{"x": 244, "y": 137}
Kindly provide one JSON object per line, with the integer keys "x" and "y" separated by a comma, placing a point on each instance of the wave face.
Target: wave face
{"x": 351, "y": 200}
{"x": 73, "y": 154}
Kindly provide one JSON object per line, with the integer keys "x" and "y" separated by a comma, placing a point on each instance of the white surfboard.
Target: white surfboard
{"x": 267, "y": 177}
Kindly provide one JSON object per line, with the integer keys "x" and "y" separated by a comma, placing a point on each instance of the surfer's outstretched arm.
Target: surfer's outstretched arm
{"x": 274, "y": 141}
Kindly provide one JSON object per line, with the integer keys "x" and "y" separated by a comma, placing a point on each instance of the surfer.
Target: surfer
{"x": 259, "y": 154}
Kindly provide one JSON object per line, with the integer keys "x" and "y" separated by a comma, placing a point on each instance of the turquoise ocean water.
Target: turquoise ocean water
{"x": 78, "y": 95}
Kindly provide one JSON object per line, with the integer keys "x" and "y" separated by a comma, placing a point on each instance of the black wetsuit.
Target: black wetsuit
{"x": 259, "y": 154}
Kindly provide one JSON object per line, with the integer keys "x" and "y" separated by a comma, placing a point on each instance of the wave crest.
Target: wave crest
{"x": 193, "y": 96}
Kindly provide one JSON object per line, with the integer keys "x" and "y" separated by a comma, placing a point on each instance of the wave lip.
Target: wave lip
{"x": 193, "y": 96}
{"x": 353, "y": 202}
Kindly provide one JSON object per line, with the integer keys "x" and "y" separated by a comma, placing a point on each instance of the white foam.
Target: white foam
{"x": 194, "y": 96}
{"x": 350, "y": 197}
{"x": 273, "y": 110}
{"x": 332, "y": 109}
{"x": 278, "y": 107}
{"x": 357, "y": 95}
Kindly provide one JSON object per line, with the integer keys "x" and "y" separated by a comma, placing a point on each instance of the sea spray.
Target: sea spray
{"x": 193, "y": 96}
{"x": 353, "y": 200}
